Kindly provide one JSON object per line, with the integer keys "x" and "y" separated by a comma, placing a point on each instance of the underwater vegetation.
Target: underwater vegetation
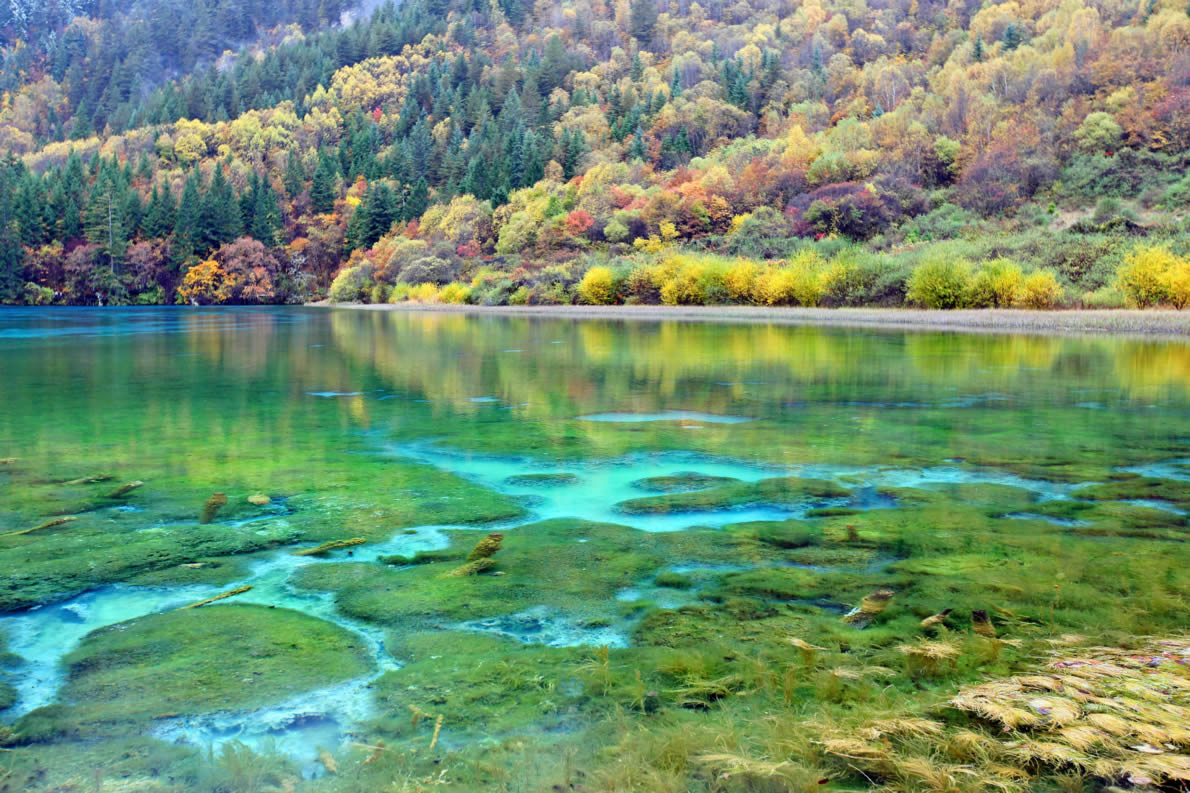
{"x": 923, "y": 563}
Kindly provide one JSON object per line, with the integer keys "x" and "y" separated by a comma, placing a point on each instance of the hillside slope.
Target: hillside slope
{"x": 522, "y": 143}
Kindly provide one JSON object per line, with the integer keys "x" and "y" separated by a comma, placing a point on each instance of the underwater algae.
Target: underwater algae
{"x": 967, "y": 476}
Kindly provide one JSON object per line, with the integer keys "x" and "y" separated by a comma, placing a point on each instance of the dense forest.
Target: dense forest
{"x": 825, "y": 151}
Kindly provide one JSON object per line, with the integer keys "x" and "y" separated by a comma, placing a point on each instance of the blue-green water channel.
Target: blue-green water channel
{"x": 793, "y": 468}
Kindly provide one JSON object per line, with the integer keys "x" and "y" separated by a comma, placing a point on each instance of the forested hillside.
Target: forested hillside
{"x": 236, "y": 151}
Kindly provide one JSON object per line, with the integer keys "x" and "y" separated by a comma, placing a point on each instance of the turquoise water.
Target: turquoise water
{"x": 411, "y": 430}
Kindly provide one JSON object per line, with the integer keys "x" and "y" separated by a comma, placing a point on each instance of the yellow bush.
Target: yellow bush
{"x": 454, "y": 293}
{"x": 773, "y": 286}
{"x": 598, "y": 287}
{"x": 809, "y": 276}
{"x": 1143, "y": 276}
{"x": 1177, "y": 284}
{"x": 685, "y": 286}
{"x": 400, "y": 293}
{"x": 997, "y": 284}
{"x": 740, "y": 280}
{"x": 652, "y": 244}
{"x": 424, "y": 293}
{"x": 1040, "y": 290}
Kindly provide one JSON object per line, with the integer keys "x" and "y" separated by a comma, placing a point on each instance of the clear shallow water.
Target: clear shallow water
{"x": 373, "y": 424}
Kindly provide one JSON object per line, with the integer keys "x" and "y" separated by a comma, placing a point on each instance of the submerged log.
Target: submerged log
{"x": 230, "y": 593}
{"x": 89, "y": 480}
{"x": 332, "y": 545}
{"x": 937, "y": 619}
{"x": 49, "y": 524}
{"x": 124, "y": 489}
{"x": 869, "y": 608}
{"x": 211, "y": 508}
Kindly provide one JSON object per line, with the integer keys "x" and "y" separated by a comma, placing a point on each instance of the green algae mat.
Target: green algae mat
{"x": 331, "y": 550}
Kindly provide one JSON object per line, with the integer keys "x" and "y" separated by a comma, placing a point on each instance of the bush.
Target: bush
{"x": 400, "y": 293}
{"x": 1105, "y": 297}
{"x": 598, "y": 287}
{"x": 773, "y": 286}
{"x": 1177, "y": 284}
{"x": 997, "y": 284}
{"x": 692, "y": 281}
{"x": 1041, "y": 290}
{"x": 423, "y": 293}
{"x": 454, "y": 293}
{"x": 940, "y": 283}
{"x": 808, "y": 278}
{"x": 1143, "y": 276}
{"x": 352, "y": 284}
{"x": 740, "y": 280}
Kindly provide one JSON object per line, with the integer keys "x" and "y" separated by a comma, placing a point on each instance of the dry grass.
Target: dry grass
{"x": 1097, "y": 322}
{"x": 1104, "y": 711}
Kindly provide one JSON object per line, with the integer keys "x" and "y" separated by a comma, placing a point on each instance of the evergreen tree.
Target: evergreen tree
{"x": 295, "y": 176}
{"x": 187, "y": 235}
{"x": 322, "y": 188}
{"x": 160, "y": 214}
{"x": 642, "y": 20}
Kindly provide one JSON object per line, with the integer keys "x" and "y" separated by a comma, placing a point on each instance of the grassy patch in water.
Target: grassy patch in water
{"x": 778, "y": 491}
{"x": 681, "y": 482}
{"x": 1138, "y": 488}
{"x": 39, "y": 570}
{"x": 541, "y": 480}
{"x": 222, "y": 657}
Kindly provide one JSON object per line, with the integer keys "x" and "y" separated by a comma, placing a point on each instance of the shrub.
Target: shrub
{"x": 598, "y": 287}
{"x": 642, "y": 284}
{"x": 379, "y": 293}
{"x": 940, "y": 283}
{"x": 1105, "y": 297}
{"x": 423, "y": 293}
{"x": 1143, "y": 276}
{"x": 351, "y": 284}
{"x": 773, "y": 286}
{"x": 454, "y": 292}
{"x": 856, "y": 278}
{"x": 1177, "y": 284}
{"x": 808, "y": 278}
{"x": 740, "y": 280}
{"x": 692, "y": 281}
{"x": 400, "y": 293}
{"x": 997, "y": 284}
{"x": 615, "y": 231}
{"x": 1041, "y": 290}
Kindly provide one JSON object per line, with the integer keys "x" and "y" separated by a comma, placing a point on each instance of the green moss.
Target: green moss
{"x": 43, "y": 570}
{"x": 672, "y": 580}
{"x": 677, "y": 483}
{"x": 541, "y": 480}
{"x": 999, "y": 499}
{"x": 1136, "y": 488}
{"x": 778, "y": 533}
{"x": 783, "y": 490}
{"x": 424, "y": 557}
{"x": 220, "y": 657}
{"x": 539, "y": 563}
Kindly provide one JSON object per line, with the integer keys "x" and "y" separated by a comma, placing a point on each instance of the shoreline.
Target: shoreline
{"x": 1114, "y": 322}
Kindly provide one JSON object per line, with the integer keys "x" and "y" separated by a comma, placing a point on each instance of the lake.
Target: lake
{"x": 675, "y": 500}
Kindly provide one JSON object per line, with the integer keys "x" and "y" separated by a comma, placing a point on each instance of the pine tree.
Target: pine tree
{"x": 295, "y": 176}
{"x": 642, "y": 20}
{"x": 187, "y": 237}
{"x": 322, "y": 188}
{"x": 160, "y": 214}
